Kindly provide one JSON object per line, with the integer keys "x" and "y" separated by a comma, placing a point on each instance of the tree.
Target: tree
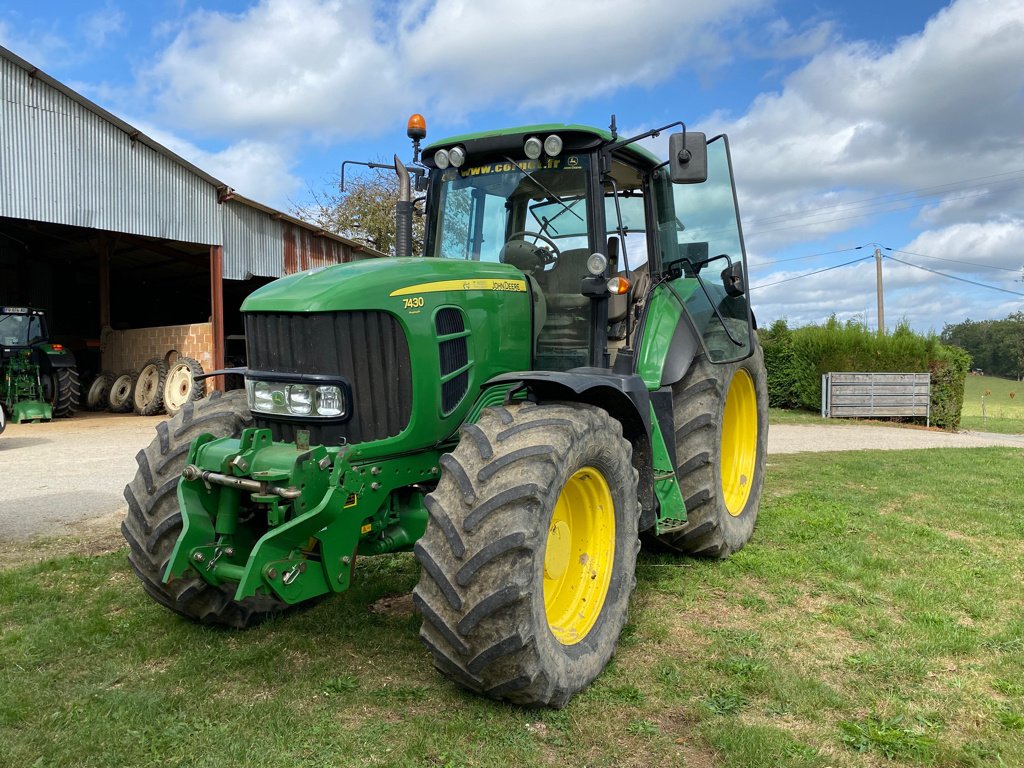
{"x": 364, "y": 211}
{"x": 996, "y": 346}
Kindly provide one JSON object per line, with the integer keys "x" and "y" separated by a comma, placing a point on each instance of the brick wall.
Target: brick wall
{"x": 129, "y": 350}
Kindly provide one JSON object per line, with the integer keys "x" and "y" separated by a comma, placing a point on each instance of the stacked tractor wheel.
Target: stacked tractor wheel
{"x": 97, "y": 394}
{"x": 180, "y": 386}
{"x": 148, "y": 398}
{"x": 155, "y": 388}
{"x": 121, "y": 393}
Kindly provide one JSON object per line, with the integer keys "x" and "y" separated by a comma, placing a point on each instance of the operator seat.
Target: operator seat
{"x": 568, "y": 311}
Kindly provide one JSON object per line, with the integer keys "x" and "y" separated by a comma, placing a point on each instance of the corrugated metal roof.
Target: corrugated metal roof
{"x": 65, "y": 160}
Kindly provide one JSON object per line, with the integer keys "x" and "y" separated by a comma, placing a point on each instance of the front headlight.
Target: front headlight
{"x": 284, "y": 398}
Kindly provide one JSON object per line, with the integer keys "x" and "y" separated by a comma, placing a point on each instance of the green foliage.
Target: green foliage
{"x": 995, "y": 346}
{"x": 796, "y": 359}
{"x": 364, "y": 211}
{"x": 949, "y": 371}
{"x": 781, "y": 365}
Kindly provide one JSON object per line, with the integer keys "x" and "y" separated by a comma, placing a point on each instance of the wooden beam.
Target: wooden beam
{"x": 217, "y": 311}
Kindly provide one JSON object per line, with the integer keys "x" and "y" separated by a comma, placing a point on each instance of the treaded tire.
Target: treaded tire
{"x": 148, "y": 395}
{"x": 154, "y": 521}
{"x": 482, "y": 586}
{"x": 180, "y": 386}
{"x": 97, "y": 394}
{"x": 67, "y": 391}
{"x": 119, "y": 400}
{"x": 699, "y": 401}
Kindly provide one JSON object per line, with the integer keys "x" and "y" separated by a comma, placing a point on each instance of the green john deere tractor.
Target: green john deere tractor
{"x": 38, "y": 379}
{"x": 571, "y": 365}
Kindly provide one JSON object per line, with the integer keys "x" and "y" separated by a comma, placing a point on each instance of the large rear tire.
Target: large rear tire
{"x": 530, "y": 554}
{"x": 153, "y": 522}
{"x": 63, "y": 392}
{"x": 721, "y": 417}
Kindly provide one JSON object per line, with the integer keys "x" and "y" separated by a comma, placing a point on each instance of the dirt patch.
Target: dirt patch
{"x": 393, "y": 605}
{"x": 87, "y": 538}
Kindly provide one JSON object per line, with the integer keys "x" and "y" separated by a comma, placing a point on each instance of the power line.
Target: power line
{"x": 954, "y": 277}
{"x": 952, "y": 261}
{"x": 809, "y": 256}
{"x": 816, "y": 272}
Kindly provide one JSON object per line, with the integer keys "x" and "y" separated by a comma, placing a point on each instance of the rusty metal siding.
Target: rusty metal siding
{"x": 257, "y": 243}
{"x": 63, "y": 163}
{"x": 305, "y": 249}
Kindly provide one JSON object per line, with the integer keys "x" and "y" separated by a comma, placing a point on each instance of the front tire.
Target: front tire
{"x": 721, "y": 417}
{"x": 153, "y": 523}
{"x": 530, "y": 554}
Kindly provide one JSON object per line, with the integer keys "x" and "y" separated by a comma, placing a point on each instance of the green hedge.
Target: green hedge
{"x": 796, "y": 359}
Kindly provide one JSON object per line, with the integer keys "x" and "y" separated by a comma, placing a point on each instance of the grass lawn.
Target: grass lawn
{"x": 1004, "y": 414}
{"x": 876, "y": 619}
{"x": 792, "y": 416}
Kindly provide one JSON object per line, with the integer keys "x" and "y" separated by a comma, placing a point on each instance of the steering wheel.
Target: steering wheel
{"x": 530, "y": 257}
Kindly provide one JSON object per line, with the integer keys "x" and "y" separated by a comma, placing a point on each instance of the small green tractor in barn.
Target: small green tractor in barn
{"x": 38, "y": 379}
{"x": 570, "y": 366}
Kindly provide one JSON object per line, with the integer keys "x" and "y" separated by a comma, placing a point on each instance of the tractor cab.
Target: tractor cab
{"x": 38, "y": 379}
{"x": 596, "y": 224}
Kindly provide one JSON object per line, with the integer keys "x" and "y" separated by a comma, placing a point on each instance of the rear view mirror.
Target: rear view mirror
{"x": 733, "y": 280}
{"x": 688, "y": 157}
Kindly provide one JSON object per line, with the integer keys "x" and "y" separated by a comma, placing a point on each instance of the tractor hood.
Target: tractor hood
{"x": 386, "y": 284}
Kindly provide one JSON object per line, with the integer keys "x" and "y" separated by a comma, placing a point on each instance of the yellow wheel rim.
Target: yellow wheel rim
{"x": 739, "y": 442}
{"x": 578, "y": 556}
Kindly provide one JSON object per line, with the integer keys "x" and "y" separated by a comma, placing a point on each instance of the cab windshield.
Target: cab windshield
{"x": 19, "y": 330}
{"x": 482, "y": 207}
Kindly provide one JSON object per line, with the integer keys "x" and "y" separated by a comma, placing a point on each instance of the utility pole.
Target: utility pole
{"x": 878, "y": 281}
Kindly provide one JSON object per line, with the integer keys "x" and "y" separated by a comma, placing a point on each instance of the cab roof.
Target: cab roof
{"x": 599, "y": 136}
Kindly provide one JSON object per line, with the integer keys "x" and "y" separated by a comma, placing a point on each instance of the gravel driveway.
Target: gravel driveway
{"x": 67, "y": 477}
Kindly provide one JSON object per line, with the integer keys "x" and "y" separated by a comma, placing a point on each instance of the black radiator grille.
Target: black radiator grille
{"x": 453, "y": 354}
{"x": 448, "y": 321}
{"x": 453, "y": 391}
{"x": 368, "y": 349}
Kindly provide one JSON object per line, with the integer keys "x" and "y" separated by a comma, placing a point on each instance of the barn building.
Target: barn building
{"x": 133, "y": 251}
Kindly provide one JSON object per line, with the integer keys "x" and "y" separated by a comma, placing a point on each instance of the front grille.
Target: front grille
{"x": 368, "y": 349}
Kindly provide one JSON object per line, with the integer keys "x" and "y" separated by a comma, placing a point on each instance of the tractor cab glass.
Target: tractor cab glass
{"x": 700, "y": 237}
{"x": 19, "y": 329}
{"x": 531, "y": 214}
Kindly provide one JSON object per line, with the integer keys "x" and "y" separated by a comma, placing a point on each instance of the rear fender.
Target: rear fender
{"x": 51, "y": 359}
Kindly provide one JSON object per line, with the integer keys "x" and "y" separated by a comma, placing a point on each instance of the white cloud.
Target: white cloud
{"x": 348, "y": 67}
{"x": 858, "y": 121}
{"x": 99, "y": 26}
{"x": 256, "y": 169}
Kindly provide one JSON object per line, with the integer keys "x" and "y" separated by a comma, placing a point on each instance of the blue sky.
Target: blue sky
{"x": 896, "y": 123}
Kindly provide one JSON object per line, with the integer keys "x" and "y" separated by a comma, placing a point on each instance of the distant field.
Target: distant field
{"x": 1003, "y": 413}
